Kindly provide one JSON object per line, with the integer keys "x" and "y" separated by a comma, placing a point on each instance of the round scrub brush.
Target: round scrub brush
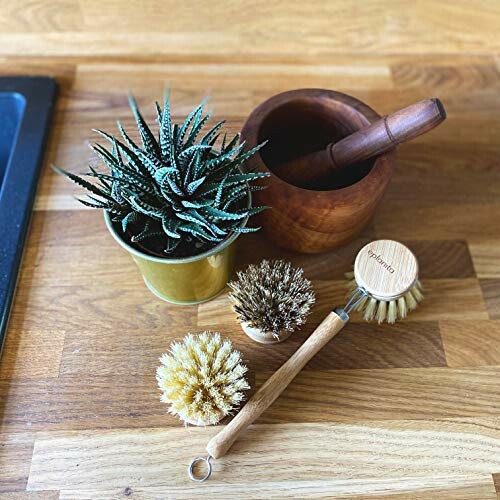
{"x": 389, "y": 300}
{"x": 202, "y": 378}
{"x": 385, "y": 271}
{"x": 272, "y": 299}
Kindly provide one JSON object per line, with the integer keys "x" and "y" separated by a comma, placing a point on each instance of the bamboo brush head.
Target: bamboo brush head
{"x": 388, "y": 272}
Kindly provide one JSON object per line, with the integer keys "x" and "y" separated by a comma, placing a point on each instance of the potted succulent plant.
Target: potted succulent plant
{"x": 176, "y": 203}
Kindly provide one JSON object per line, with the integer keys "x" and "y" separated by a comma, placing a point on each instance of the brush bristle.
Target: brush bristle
{"x": 272, "y": 296}
{"x": 417, "y": 292}
{"x": 370, "y": 309}
{"x": 381, "y": 311}
{"x": 389, "y": 311}
{"x": 202, "y": 378}
{"x": 392, "y": 312}
{"x": 402, "y": 310}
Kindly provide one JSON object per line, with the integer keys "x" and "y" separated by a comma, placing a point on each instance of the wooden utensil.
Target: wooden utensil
{"x": 390, "y": 131}
{"x": 297, "y": 122}
{"x": 387, "y": 276}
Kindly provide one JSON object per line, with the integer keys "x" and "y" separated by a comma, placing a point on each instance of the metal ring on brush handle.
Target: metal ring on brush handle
{"x": 194, "y": 462}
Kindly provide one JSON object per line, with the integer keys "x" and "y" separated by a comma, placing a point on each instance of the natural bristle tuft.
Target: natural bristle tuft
{"x": 388, "y": 311}
{"x": 392, "y": 312}
{"x": 202, "y": 378}
{"x": 381, "y": 311}
{"x": 272, "y": 296}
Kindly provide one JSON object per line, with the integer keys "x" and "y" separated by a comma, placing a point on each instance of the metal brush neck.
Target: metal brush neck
{"x": 356, "y": 298}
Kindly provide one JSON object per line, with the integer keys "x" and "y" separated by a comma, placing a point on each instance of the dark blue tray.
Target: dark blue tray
{"x": 25, "y": 110}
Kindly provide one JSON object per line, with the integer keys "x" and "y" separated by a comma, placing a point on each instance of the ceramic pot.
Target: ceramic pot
{"x": 188, "y": 280}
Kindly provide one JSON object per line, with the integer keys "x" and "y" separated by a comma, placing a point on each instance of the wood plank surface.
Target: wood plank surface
{"x": 404, "y": 412}
{"x": 334, "y": 453}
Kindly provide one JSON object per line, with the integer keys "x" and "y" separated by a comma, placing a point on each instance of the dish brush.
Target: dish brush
{"x": 385, "y": 271}
{"x": 272, "y": 299}
{"x": 202, "y": 378}
{"x": 379, "y": 304}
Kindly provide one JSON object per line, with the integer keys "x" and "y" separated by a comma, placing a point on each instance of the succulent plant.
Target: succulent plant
{"x": 176, "y": 192}
{"x": 202, "y": 378}
{"x": 272, "y": 296}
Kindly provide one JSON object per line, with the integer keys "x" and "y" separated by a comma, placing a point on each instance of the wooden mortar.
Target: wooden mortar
{"x": 299, "y": 122}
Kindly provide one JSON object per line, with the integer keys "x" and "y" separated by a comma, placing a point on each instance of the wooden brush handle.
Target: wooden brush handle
{"x": 377, "y": 138}
{"x": 275, "y": 385}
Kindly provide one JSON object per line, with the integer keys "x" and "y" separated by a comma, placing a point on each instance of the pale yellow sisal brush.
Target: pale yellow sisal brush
{"x": 385, "y": 287}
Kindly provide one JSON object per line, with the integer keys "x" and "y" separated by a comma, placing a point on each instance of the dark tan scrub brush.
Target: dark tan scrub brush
{"x": 272, "y": 300}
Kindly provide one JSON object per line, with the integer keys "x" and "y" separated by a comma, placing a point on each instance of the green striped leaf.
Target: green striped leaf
{"x": 222, "y": 214}
{"x": 148, "y": 139}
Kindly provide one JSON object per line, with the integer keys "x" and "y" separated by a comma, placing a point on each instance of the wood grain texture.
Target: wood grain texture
{"x": 409, "y": 412}
{"x": 32, "y": 353}
{"x": 125, "y": 459}
{"x": 462, "y": 488}
{"x": 78, "y": 402}
{"x": 323, "y": 396}
{"x": 486, "y": 257}
{"x": 496, "y": 481}
{"x": 16, "y": 451}
{"x": 228, "y": 29}
{"x": 30, "y": 495}
{"x": 491, "y": 296}
{"x": 361, "y": 345}
{"x": 471, "y": 343}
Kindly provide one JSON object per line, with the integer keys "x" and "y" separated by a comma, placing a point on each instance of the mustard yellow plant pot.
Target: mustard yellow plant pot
{"x": 184, "y": 281}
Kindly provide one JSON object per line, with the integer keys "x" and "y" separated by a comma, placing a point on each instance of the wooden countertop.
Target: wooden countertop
{"x": 411, "y": 410}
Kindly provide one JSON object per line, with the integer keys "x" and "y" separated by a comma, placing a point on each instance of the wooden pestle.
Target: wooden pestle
{"x": 377, "y": 138}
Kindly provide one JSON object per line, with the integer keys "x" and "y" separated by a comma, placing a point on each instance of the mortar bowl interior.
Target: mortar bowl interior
{"x": 301, "y": 126}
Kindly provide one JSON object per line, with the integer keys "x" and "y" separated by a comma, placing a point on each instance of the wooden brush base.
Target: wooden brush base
{"x": 264, "y": 337}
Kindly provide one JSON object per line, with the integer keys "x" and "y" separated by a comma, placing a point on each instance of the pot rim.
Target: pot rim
{"x": 182, "y": 260}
